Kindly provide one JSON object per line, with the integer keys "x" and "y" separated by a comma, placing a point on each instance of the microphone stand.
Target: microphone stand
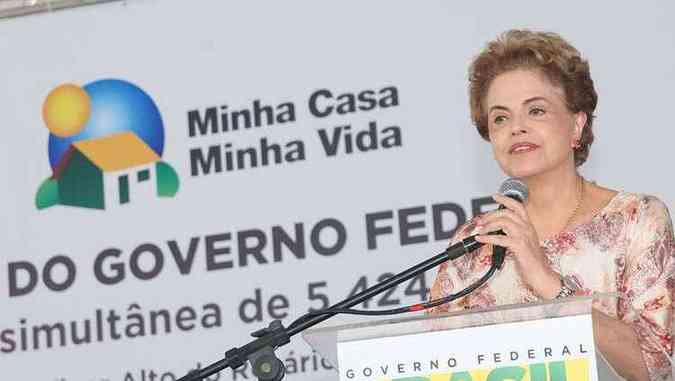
{"x": 260, "y": 352}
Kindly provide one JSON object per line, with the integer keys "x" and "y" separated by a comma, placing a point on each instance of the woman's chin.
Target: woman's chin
{"x": 522, "y": 171}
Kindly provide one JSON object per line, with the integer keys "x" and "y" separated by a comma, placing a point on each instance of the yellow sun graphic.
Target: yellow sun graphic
{"x": 66, "y": 110}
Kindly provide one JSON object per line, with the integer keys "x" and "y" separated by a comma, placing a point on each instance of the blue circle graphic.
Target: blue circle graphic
{"x": 116, "y": 106}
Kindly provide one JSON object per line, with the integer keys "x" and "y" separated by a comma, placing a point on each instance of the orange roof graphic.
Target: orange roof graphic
{"x": 117, "y": 152}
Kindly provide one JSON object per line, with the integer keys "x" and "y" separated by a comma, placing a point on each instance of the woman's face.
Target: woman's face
{"x": 530, "y": 127}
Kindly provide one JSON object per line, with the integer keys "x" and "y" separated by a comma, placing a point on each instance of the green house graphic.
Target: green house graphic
{"x": 103, "y": 173}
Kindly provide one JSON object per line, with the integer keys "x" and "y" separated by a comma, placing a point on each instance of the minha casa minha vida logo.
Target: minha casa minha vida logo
{"x": 105, "y": 147}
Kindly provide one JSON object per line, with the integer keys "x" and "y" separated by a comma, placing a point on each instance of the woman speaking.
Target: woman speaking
{"x": 532, "y": 98}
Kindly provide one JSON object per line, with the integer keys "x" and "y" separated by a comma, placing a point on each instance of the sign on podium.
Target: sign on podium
{"x": 542, "y": 341}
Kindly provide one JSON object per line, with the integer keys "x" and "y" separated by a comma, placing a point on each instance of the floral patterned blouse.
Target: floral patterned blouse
{"x": 627, "y": 247}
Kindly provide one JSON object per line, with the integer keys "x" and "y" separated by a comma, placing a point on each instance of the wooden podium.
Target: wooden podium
{"x": 541, "y": 341}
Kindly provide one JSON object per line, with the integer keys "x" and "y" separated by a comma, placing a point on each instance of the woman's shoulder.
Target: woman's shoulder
{"x": 644, "y": 212}
{"x": 638, "y": 205}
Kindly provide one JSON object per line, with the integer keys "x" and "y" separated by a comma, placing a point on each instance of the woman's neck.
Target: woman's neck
{"x": 553, "y": 198}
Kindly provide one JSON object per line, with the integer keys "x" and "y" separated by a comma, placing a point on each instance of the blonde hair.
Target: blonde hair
{"x": 547, "y": 53}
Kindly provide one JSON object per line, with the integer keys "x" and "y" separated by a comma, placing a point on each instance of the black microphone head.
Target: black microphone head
{"x": 514, "y": 188}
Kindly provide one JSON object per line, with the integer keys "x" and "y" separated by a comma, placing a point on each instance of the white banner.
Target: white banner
{"x": 248, "y": 161}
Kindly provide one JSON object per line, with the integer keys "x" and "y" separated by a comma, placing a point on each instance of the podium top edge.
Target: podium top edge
{"x": 505, "y": 308}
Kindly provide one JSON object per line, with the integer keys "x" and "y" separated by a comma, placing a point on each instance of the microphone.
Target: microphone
{"x": 515, "y": 189}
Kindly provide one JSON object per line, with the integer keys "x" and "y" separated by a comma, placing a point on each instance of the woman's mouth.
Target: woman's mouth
{"x": 522, "y": 148}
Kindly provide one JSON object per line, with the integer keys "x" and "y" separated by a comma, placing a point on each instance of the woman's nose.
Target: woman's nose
{"x": 519, "y": 126}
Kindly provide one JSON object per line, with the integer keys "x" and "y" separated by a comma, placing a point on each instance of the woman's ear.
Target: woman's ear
{"x": 580, "y": 119}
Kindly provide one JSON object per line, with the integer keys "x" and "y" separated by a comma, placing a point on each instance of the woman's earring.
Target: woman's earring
{"x": 576, "y": 144}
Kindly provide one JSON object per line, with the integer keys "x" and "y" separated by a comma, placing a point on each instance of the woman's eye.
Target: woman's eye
{"x": 499, "y": 119}
{"x": 536, "y": 111}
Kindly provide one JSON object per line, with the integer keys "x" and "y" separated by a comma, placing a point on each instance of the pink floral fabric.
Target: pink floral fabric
{"x": 628, "y": 248}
